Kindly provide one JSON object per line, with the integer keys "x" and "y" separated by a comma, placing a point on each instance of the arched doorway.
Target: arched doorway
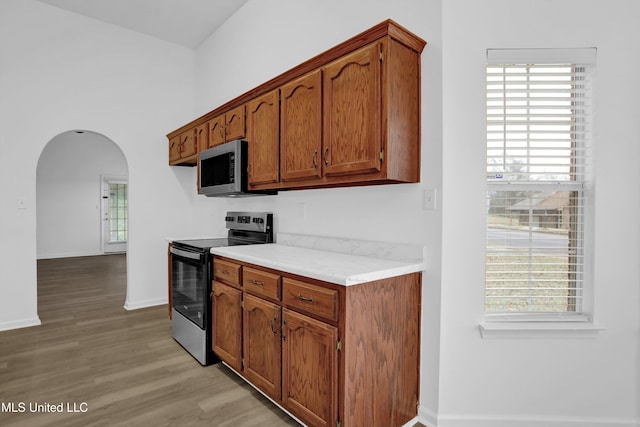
{"x": 81, "y": 197}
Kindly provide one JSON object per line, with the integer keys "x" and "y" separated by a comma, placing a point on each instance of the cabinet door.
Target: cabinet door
{"x": 263, "y": 117}
{"x": 188, "y": 145}
{"x": 309, "y": 368}
{"x": 262, "y": 345}
{"x": 352, "y": 113}
{"x": 202, "y": 137}
{"x": 301, "y": 128}
{"x": 227, "y": 324}
{"x": 174, "y": 149}
{"x": 235, "y": 124}
{"x": 216, "y": 131}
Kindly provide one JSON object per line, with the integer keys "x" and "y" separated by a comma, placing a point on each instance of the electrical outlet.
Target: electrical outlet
{"x": 301, "y": 211}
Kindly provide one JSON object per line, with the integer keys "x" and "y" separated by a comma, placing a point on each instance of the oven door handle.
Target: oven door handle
{"x": 186, "y": 254}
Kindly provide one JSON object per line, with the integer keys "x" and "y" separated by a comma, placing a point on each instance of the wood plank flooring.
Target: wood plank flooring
{"x": 121, "y": 367}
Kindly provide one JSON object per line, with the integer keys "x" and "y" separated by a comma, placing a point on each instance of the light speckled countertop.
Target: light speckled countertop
{"x": 340, "y": 261}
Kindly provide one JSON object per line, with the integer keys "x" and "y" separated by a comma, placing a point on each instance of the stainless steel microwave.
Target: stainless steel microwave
{"x": 223, "y": 171}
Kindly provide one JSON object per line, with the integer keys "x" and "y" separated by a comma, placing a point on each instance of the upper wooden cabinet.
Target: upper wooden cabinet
{"x": 349, "y": 116}
{"x": 226, "y": 127}
{"x": 301, "y": 128}
{"x": 183, "y": 148}
{"x": 263, "y": 116}
{"x": 352, "y": 113}
{"x": 201, "y": 136}
{"x": 216, "y": 132}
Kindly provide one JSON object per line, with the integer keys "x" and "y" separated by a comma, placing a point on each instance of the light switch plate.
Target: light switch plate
{"x": 430, "y": 202}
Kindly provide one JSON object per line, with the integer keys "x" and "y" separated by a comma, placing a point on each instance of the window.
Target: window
{"x": 537, "y": 139}
{"x": 117, "y": 212}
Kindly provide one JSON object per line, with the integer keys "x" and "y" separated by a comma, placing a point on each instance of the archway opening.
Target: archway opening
{"x": 82, "y": 214}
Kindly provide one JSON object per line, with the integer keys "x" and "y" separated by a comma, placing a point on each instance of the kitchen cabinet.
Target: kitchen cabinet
{"x": 227, "y": 272}
{"x": 226, "y": 127}
{"x": 227, "y": 321}
{"x": 262, "y": 344}
{"x": 348, "y": 116}
{"x": 352, "y": 113}
{"x": 183, "y": 149}
{"x": 262, "y": 347}
{"x": 326, "y": 353}
{"x": 216, "y": 131}
{"x": 201, "y": 136}
{"x": 263, "y": 124}
{"x": 310, "y": 368}
{"x": 301, "y": 128}
{"x": 261, "y": 283}
{"x": 315, "y": 300}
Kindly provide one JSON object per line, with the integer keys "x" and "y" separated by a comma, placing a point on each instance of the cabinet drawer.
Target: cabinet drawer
{"x": 311, "y": 298}
{"x": 226, "y": 272}
{"x": 261, "y": 283}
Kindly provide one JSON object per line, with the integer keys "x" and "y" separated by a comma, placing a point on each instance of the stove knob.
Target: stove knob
{"x": 229, "y": 218}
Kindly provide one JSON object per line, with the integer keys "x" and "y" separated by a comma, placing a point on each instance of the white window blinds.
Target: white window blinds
{"x": 537, "y": 139}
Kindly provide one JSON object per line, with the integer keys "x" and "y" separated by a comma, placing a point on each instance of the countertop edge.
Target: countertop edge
{"x": 401, "y": 268}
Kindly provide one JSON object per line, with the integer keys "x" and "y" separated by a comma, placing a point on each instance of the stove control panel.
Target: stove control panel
{"x": 250, "y": 221}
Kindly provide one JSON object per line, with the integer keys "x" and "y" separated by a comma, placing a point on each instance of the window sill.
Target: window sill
{"x": 540, "y": 328}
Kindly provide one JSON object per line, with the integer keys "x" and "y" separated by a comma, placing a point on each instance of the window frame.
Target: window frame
{"x": 545, "y": 324}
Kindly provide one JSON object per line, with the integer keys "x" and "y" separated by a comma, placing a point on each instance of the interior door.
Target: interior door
{"x": 115, "y": 214}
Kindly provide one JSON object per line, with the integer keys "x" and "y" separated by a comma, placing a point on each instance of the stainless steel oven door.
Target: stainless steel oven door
{"x": 189, "y": 285}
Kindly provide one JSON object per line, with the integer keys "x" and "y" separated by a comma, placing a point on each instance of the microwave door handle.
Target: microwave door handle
{"x": 185, "y": 254}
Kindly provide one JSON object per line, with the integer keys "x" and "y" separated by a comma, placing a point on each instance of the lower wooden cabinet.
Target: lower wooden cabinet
{"x": 310, "y": 368}
{"x": 331, "y": 355}
{"x": 227, "y": 318}
{"x": 262, "y": 344}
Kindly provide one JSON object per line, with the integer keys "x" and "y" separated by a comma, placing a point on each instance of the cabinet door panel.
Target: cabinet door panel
{"x": 188, "y": 143}
{"x": 235, "y": 124}
{"x": 309, "y": 368}
{"x": 301, "y": 128}
{"x": 174, "y": 149}
{"x": 263, "y": 122}
{"x": 352, "y": 113}
{"x": 262, "y": 345}
{"x": 227, "y": 324}
{"x": 202, "y": 137}
{"x": 216, "y": 131}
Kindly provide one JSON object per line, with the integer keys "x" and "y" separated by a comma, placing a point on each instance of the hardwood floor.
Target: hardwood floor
{"x": 122, "y": 368}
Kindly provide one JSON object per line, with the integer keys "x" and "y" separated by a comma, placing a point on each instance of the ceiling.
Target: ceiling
{"x": 185, "y": 22}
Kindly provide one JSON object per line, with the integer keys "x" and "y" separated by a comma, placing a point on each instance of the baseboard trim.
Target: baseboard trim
{"x": 136, "y": 305}
{"x": 427, "y": 417}
{"x": 69, "y": 255}
{"x": 445, "y": 420}
{"x": 411, "y": 422}
{"x": 19, "y": 324}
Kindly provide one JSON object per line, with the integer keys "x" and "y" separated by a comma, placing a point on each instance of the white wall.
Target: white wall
{"x": 69, "y": 193}
{"x": 546, "y": 381}
{"x": 60, "y": 71}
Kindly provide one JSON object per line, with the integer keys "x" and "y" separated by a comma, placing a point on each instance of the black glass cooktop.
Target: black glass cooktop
{"x": 208, "y": 243}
